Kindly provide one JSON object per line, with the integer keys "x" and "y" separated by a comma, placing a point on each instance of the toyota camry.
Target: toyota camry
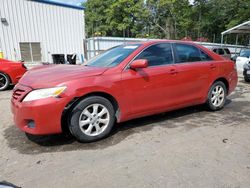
{"x": 126, "y": 82}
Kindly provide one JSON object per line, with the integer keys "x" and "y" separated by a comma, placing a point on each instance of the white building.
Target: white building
{"x": 34, "y": 30}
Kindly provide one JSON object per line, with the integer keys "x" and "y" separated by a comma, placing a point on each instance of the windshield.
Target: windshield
{"x": 245, "y": 53}
{"x": 113, "y": 56}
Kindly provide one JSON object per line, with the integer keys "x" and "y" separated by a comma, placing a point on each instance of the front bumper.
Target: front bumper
{"x": 40, "y": 117}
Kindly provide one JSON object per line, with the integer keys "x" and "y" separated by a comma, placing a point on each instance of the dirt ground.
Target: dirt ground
{"x": 186, "y": 148}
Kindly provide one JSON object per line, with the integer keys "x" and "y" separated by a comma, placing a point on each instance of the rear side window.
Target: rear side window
{"x": 158, "y": 54}
{"x": 189, "y": 53}
{"x": 205, "y": 57}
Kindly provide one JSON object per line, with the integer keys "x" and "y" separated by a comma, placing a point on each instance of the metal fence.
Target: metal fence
{"x": 96, "y": 45}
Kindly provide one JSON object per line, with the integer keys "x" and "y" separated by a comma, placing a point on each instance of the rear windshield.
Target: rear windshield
{"x": 113, "y": 56}
{"x": 245, "y": 53}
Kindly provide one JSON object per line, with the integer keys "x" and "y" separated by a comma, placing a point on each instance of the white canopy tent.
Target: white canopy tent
{"x": 243, "y": 28}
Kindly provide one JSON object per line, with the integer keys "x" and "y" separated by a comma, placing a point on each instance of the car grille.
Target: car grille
{"x": 20, "y": 92}
{"x": 17, "y": 94}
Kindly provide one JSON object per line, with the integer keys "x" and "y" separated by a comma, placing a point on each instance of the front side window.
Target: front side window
{"x": 158, "y": 54}
{"x": 113, "y": 56}
{"x": 189, "y": 53}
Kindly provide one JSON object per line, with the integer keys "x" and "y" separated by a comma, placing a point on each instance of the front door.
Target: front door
{"x": 152, "y": 89}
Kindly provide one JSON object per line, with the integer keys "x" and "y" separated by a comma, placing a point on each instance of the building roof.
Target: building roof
{"x": 239, "y": 29}
{"x": 60, "y": 4}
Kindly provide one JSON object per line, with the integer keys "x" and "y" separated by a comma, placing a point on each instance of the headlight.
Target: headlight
{"x": 44, "y": 93}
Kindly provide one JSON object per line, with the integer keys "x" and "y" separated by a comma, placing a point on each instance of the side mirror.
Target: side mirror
{"x": 139, "y": 64}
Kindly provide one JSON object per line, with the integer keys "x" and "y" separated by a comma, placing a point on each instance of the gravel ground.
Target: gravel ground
{"x": 186, "y": 148}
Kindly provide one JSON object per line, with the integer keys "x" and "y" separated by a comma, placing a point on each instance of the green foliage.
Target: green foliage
{"x": 170, "y": 19}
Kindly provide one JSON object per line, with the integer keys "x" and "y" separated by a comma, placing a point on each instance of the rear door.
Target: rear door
{"x": 195, "y": 69}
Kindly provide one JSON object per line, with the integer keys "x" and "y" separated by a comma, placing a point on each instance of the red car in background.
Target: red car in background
{"x": 123, "y": 83}
{"x": 10, "y": 73}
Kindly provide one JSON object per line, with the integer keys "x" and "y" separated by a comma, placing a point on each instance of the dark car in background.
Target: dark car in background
{"x": 222, "y": 51}
{"x": 246, "y": 71}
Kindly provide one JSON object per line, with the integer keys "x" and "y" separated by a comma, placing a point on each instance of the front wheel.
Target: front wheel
{"x": 217, "y": 96}
{"x": 4, "y": 81}
{"x": 92, "y": 119}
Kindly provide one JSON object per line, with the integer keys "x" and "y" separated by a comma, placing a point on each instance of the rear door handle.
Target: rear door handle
{"x": 173, "y": 71}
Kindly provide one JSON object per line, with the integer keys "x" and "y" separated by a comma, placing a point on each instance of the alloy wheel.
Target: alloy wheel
{"x": 3, "y": 81}
{"x": 218, "y": 95}
{"x": 94, "y": 119}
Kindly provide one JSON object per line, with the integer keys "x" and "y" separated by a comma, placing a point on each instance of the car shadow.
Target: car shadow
{"x": 244, "y": 82}
{"x": 17, "y": 140}
{"x": 28, "y": 144}
{"x": 11, "y": 87}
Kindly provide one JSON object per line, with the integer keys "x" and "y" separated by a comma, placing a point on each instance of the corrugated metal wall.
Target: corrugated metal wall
{"x": 60, "y": 30}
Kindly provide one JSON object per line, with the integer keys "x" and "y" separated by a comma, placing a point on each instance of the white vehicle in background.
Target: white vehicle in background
{"x": 242, "y": 59}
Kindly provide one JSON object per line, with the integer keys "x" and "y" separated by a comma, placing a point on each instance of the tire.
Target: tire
{"x": 92, "y": 119}
{"x": 216, "y": 96}
{"x": 4, "y": 81}
{"x": 246, "y": 79}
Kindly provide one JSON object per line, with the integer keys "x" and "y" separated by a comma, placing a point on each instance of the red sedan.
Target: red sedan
{"x": 125, "y": 82}
{"x": 10, "y": 73}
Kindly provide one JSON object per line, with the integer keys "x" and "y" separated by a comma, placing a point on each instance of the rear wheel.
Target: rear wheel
{"x": 92, "y": 119}
{"x": 217, "y": 96}
{"x": 4, "y": 81}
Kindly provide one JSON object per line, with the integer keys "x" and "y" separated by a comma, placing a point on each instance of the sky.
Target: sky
{"x": 78, "y": 2}
{"x": 72, "y": 2}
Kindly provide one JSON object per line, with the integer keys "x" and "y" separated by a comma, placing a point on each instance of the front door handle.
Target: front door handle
{"x": 212, "y": 66}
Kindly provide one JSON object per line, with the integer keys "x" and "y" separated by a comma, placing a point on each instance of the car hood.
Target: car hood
{"x": 242, "y": 60}
{"x": 52, "y": 75}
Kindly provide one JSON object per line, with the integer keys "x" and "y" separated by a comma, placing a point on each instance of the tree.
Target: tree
{"x": 127, "y": 17}
{"x": 169, "y": 19}
{"x": 96, "y": 17}
{"x": 115, "y": 17}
